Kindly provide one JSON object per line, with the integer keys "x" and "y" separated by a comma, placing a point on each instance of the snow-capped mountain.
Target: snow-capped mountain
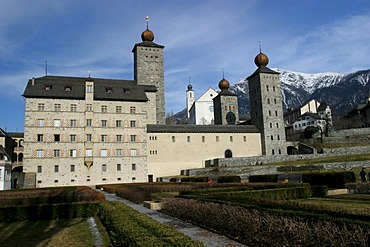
{"x": 342, "y": 92}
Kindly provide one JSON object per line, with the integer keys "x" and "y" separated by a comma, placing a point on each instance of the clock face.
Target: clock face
{"x": 230, "y": 118}
{"x": 211, "y": 108}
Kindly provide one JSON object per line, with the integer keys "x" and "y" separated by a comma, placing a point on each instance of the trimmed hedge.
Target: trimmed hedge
{"x": 48, "y": 211}
{"x": 330, "y": 179}
{"x": 269, "y": 178}
{"x": 319, "y": 191}
{"x": 195, "y": 179}
{"x": 127, "y": 227}
{"x": 229, "y": 179}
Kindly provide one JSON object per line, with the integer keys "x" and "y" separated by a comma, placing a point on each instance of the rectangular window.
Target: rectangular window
{"x": 57, "y": 107}
{"x": 132, "y": 109}
{"x": 217, "y": 138}
{"x": 40, "y": 153}
{"x": 103, "y": 167}
{"x": 73, "y": 123}
{"x": 40, "y": 122}
{"x": 133, "y": 152}
{"x": 119, "y": 138}
{"x": 244, "y": 138}
{"x": 188, "y": 138}
{"x": 73, "y": 168}
{"x": 133, "y": 167}
{"x": 276, "y": 113}
{"x": 118, "y": 123}
{"x": 73, "y": 138}
{"x": 88, "y": 152}
{"x": 88, "y": 137}
{"x": 133, "y": 138}
{"x": 39, "y": 169}
{"x": 89, "y": 108}
{"x": 132, "y": 123}
{"x": 89, "y": 88}
{"x": 73, "y": 107}
{"x": 104, "y": 109}
{"x": 40, "y": 138}
{"x": 56, "y": 123}
{"x": 104, "y": 123}
{"x": 104, "y": 138}
{"x": 56, "y": 168}
{"x": 119, "y": 152}
{"x": 173, "y": 139}
{"x": 103, "y": 153}
{"x": 56, "y": 153}
{"x": 56, "y": 138}
{"x": 277, "y": 125}
{"x": 118, "y": 109}
{"x": 73, "y": 153}
{"x": 203, "y": 138}
{"x": 41, "y": 107}
{"x": 88, "y": 122}
{"x": 231, "y": 139}
{"x": 118, "y": 167}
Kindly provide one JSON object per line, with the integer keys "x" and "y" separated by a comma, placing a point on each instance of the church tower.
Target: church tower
{"x": 148, "y": 69}
{"x": 189, "y": 99}
{"x": 266, "y": 107}
{"x": 225, "y": 105}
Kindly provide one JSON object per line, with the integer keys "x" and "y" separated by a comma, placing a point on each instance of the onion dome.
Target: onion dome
{"x": 223, "y": 84}
{"x": 190, "y": 87}
{"x": 147, "y": 35}
{"x": 261, "y": 60}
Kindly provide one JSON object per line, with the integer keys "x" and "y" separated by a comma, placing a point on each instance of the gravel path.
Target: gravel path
{"x": 208, "y": 238}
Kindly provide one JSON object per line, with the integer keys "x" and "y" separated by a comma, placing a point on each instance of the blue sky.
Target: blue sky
{"x": 200, "y": 38}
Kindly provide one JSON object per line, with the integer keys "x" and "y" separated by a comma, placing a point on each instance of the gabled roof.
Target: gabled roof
{"x": 322, "y": 106}
{"x": 62, "y": 87}
{"x": 206, "y": 95}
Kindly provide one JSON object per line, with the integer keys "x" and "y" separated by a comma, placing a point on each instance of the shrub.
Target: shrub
{"x": 358, "y": 188}
{"x": 195, "y": 179}
{"x": 330, "y": 179}
{"x": 229, "y": 179}
{"x": 263, "y": 178}
{"x": 127, "y": 227}
{"x": 319, "y": 191}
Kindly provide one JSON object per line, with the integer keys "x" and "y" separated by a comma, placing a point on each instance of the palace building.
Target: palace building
{"x": 87, "y": 131}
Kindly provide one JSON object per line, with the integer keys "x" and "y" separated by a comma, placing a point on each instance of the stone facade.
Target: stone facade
{"x": 267, "y": 109}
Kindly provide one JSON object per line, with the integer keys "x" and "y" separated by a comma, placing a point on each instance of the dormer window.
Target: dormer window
{"x": 47, "y": 87}
{"x": 68, "y": 88}
{"x": 127, "y": 90}
{"x": 109, "y": 90}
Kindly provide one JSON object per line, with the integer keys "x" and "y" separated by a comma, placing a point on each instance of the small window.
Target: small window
{"x": 56, "y": 153}
{"x": 104, "y": 109}
{"x": 217, "y": 138}
{"x": 244, "y": 138}
{"x": 109, "y": 90}
{"x": 89, "y": 88}
{"x": 73, "y": 123}
{"x": 118, "y": 123}
{"x": 88, "y": 122}
{"x": 103, "y": 167}
{"x": 56, "y": 168}
{"x": 56, "y": 123}
{"x": 40, "y": 138}
{"x": 133, "y": 152}
{"x": 203, "y": 138}
{"x": 103, "y": 153}
{"x": 132, "y": 109}
{"x": 119, "y": 138}
{"x": 173, "y": 139}
{"x": 89, "y": 107}
{"x": 57, "y": 107}
{"x": 40, "y": 153}
{"x": 68, "y": 88}
{"x": 73, "y": 138}
{"x": 41, "y": 107}
{"x": 88, "y": 152}
{"x": 104, "y": 138}
{"x": 126, "y": 90}
{"x": 56, "y": 138}
{"x": 133, "y": 167}
{"x": 133, "y": 138}
{"x": 104, "y": 123}
{"x": 39, "y": 169}
{"x": 47, "y": 87}
{"x": 73, "y": 107}
{"x": 188, "y": 138}
{"x": 88, "y": 137}
{"x": 73, "y": 168}
{"x": 231, "y": 139}
{"x": 118, "y": 109}
{"x": 132, "y": 123}
{"x": 40, "y": 122}
{"x": 118, "y": 167}
{"x": 73, "y": 153}
{"x": 119, "y": 152}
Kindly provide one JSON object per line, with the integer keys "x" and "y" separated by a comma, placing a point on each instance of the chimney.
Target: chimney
{"x": 33, "y": 81}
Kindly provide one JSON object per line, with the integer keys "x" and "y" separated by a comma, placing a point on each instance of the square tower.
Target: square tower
{"x": 225, "y": 105}
{"x": 266, "y": 107}
{"x": 148, "y": 70}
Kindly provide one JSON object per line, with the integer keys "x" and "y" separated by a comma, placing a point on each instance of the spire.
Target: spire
{"x": 147, "y": 22}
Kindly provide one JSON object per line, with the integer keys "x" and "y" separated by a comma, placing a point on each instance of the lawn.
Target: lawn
{"x": 61, "y": 233}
